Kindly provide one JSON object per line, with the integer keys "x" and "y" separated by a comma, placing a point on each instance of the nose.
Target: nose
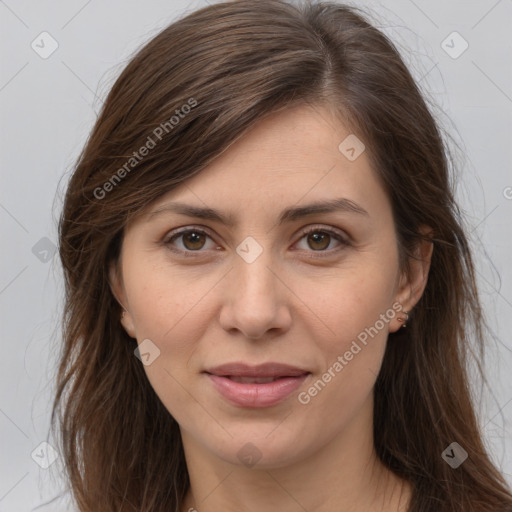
{"x": 256, "y": 300}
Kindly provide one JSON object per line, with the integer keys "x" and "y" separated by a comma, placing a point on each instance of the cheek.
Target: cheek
{"x": 167, "y": 304}
{"x": 351, "y": 301}
{"x": 351, "y": 358}
{"x": 168, "y": 310}
{"x": 356, "y": 311}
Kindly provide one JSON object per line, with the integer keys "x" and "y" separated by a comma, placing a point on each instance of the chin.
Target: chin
{"x": 261, "y": 451}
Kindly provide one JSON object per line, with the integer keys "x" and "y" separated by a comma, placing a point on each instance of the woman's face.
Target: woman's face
{"x": 244, "y": 284}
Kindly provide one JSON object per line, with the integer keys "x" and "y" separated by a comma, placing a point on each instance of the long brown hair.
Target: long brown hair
{"x": 186, "y": 96}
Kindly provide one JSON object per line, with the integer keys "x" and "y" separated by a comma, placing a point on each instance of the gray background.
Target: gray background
{"x": 48, "y": 107}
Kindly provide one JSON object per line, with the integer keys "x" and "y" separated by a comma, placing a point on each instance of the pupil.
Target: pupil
{"x": 321, "y": 236}
{"x": 194, "y": 238}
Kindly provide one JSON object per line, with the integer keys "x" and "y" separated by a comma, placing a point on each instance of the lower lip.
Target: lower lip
{"x": 256, "y": 395}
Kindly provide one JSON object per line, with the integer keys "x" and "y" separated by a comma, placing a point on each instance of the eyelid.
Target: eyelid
{"x": 342, "y": 238}
{"x": 325, "y": 229}
{"x": 338, "y": 234}
{"x": 177, "y": 232}
{"x": 185, "y": 229}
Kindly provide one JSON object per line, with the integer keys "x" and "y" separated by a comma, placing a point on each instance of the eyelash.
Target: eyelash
{"x": 314, "y": 229}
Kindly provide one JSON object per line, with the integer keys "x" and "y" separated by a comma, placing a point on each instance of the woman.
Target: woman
{"x": 269, "y": 292}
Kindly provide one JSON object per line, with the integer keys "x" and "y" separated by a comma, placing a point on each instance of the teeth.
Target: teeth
{"x": 253, "y": 380}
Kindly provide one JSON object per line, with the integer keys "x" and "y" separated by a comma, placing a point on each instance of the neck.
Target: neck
{"x": 345, "y": 475}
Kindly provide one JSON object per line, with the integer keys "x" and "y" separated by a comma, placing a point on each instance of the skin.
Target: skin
{"x": 290, "y": 305}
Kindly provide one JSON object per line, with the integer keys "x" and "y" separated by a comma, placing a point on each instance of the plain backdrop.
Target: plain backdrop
{"x": 49, "y": 103}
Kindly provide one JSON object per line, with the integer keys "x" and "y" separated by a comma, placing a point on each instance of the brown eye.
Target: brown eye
{"x": 193, "y": 240}
{"x": 189, "y": 241}
{"x": 319, "y": 241}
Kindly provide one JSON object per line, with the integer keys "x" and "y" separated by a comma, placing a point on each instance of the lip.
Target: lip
{"x": 261, "y": 370}
{"x": 288, "y": 379}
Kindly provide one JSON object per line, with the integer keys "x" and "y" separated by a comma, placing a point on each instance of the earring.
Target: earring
{"x": 405, "y": 320}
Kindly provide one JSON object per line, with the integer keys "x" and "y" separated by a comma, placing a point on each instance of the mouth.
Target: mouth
{"x": 256, "y": 386}
{"x": 253, "y": 380}
{"x": 262, "y": 371}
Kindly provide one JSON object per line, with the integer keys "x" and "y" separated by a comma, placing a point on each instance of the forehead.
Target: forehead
{"x": 287, "y": 158}
{"x": 298, "y": 136}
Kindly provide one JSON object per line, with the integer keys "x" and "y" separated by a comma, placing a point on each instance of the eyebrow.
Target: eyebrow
{"x": 287, "y": 215}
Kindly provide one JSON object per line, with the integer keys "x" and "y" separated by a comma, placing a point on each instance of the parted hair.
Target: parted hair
{"x": 234, "y": 63}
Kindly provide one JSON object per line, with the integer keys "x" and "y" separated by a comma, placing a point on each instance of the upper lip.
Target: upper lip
{"x": 262, "y": 370}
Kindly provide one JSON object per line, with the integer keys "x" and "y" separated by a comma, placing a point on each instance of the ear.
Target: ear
{"x": 117, "y": 288}
{"x": 412, "y": 285}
